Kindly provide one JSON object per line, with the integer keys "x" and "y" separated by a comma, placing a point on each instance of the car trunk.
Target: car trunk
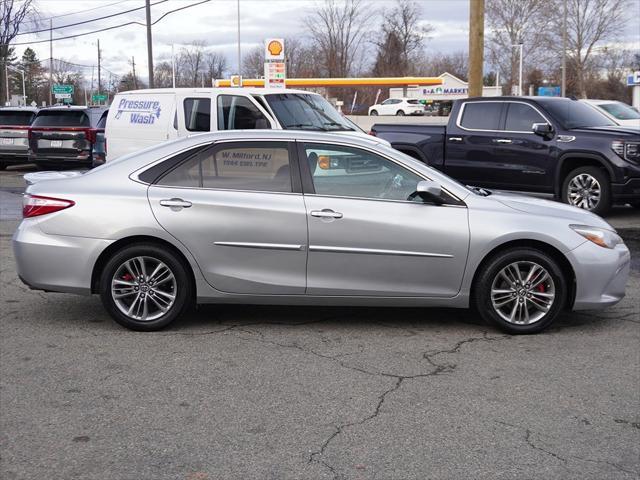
{"x": 62, "y": 134}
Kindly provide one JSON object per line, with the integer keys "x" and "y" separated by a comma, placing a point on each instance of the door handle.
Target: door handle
{"x": 502, "y": 140}
{"x": 455, "y": 139}
{"x": 325, "y": 213}
{"x": 175, "y": 203}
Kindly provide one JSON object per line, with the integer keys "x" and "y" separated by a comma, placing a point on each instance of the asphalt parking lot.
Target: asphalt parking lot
{"x": 306, "y": 393}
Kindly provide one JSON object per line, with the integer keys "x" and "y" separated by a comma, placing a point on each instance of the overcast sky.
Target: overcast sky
{"x": 215, "y": 23}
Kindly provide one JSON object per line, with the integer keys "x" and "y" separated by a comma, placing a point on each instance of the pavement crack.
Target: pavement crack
{"x": 448, "y": 367}
{"x": 528, "y": 433}
{"x": 611, "y": 464}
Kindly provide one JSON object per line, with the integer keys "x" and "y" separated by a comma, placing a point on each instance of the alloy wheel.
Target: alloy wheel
{"x": 584, "y": 191}
{"x": 143, "y": 288}
{"x": 522, "y": 293}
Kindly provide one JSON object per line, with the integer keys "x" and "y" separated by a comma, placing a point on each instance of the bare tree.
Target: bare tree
{"x": 512, "y": 22}
{"x": 191, "y": 62}
{"x": 589, "y": 23}
{"x": 253, "y": 63}
{"x": 339, "y": 31}
{"x": 455, "y": 63}
{"x": 401, "y": 39}
{"x": 163, "y": 74}
{"x": 12, "y": 15}
{"x": 215, "y": 66}
{"x": 300, "y": 59}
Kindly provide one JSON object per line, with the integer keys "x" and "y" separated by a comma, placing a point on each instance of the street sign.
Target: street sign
{"x": 275, "y": 70}
{"x": 61, "y": 88}
{"x": 62, "y": 95}
{"x": 99, "y": 97}
{"x": 633, "y": 79}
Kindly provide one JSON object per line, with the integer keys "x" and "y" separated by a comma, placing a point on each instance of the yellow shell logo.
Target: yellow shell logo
{"x": 275, "y": 48}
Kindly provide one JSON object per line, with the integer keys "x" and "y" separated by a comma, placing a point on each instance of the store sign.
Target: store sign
{"x": 275, "y": 70}
{"x": 633, "y": 79}
{"x": 236, "y": 81}
{"x": 445, "y": 91}
{"x": 549, "y": 91}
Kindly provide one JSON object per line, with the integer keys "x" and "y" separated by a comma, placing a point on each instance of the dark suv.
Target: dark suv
{"x": 65, "y": 136}
{"x": 14, "y": 135}
{"x": 531, "y": 144}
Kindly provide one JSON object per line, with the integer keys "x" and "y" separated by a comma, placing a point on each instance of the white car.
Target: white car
{"x": 397, "y": 106}
{"x": 618, "y": 112}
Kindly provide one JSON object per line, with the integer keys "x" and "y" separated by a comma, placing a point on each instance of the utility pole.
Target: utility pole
{"x": 135, "y": 79}
{"x": 239, "y": 54}
{"x": 476, "y": 46}
{"x": 564, "y": 48}
{"x": 173, "y": 67}
{"x": 6, "y": 79}
{"x": 50, "y": 61}
{"x": 99, "y": 80}
{"x": 149, "y": 46}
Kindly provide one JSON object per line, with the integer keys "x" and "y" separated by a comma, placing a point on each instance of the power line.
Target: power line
{"x": 105, "y": 29}
{"x": 91, "y": 20}
{"x": 78, "y": 11}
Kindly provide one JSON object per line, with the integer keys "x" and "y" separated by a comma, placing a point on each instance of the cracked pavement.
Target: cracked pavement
{"x": 314, "y": 393}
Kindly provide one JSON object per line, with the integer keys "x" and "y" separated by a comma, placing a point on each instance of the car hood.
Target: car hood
{"x": 611, "y": 130}
{"x": 36, "y": 177}
{"x": 549, "y": 208}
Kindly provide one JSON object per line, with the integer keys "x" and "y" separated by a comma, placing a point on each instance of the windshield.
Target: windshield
{"x": 13, "y": 118}
{"x": 574, "y": 114}
{"x": 620, "y": 111}
{"x": 306, "y": 111}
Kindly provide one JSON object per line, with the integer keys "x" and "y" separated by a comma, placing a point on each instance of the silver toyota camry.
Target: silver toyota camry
{"x": 306, "y": 218}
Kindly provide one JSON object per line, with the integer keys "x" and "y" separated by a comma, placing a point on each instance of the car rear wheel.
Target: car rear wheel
{"x": 3, "y": 165}
{"x": 374, "y": 113}
{"x": 145, "y": 287}
{"x": 400, "y": 113}
{"x": 588, "y": 188}
{"x": 520, "y": 291}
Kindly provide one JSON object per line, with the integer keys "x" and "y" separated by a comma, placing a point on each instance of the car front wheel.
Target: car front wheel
{"x": 400, "y": 113}
{"x": 374, "y": 113}
{"x": 145, "y": 287}
{"x": 520, "y": 291}
{"x": 588, "y": 188}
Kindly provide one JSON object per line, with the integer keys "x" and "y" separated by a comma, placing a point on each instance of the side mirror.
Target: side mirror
{"x": 428, "y": 191}
{"x": 542, "y": 129}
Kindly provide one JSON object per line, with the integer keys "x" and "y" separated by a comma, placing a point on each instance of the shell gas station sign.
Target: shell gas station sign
{"x": 274, "y": 64}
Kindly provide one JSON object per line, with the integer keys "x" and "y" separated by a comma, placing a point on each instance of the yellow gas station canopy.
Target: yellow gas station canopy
{"x": 342, "y": 82}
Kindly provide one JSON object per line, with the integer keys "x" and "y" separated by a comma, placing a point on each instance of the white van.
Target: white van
{"x": 141, "y": 118}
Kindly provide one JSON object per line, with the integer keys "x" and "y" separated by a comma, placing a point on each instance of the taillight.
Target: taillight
{"x": 35, "y": 205}
{"x": 92, "y": 135}
{"x": 373, "y": 133}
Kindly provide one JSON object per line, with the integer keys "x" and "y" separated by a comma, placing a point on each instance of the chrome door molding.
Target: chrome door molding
{"x": 375, "y": 251}
{"x": 263, "y": 246}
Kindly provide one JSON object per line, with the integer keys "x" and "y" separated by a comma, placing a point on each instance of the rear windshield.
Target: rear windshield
{"x": 62, "y": 118}
{"x": 10, "y": 118}
{"x": 620, "y": 111}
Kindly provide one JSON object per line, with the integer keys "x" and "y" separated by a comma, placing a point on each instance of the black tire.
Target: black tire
{"x": 400, "y": 113}
{"x": 3, "y": 165}
{"x": 483, "y": 302}
{"x": 604, "y": 203}
{"x": 182, "y": 287}
{"x": 635, "y": 205}
{"x": 374, "y": 113}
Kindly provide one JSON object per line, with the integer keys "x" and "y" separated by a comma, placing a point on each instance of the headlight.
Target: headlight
{"x": 629, "y": 151}
{"x": 599, "y": 236}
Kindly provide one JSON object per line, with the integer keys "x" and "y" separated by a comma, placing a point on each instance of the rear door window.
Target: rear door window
{"x": 197, "y": 114}
{"x": 481, "y": 116}
{"x": 236, "y": 112}
{"x": 521, "y": 117}
{"x": 62, "y": 118}
{"x": 257, "y": 166}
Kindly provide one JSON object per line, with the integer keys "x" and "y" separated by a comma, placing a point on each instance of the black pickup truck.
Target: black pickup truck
{"x": 548, "y": 145}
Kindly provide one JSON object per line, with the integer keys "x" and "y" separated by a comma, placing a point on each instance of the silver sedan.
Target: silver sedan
{"x": 269, "y": 217}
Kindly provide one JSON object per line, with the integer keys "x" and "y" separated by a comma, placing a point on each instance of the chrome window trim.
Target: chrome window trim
{"x": 464, "y": 104}
{"x": 224, "y": 189}
{"x": 382, "y": 200}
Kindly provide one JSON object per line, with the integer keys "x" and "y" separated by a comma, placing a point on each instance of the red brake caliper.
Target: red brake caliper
{"x": 127, "y": 277}
{"x": 541, "y": 288}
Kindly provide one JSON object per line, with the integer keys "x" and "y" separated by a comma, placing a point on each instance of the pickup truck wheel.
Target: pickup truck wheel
{"x": 520, "y": 291}
{"x": 400, "y": 113}
{"x": 374, "y": 113}
{"x": 3, "y": 165}
{"x": 588, "y": 188}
